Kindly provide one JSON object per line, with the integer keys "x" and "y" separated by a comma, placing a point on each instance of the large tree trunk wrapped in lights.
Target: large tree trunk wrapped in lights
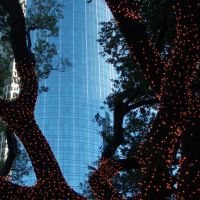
{"x": 177, "y": 122}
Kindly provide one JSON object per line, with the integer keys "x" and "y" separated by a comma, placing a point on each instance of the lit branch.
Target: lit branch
{"x": 19, "y": 116}
{"x": 188, "y": 35}
{"x": 101, "y": 183}
{"x": 11, "y": 191}
{"x": 127, "y": 15}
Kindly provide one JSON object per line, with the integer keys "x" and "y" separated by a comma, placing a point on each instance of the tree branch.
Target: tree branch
{"x": 142, "y": 103}
{"x": 130, "y": 94}
{"x": 118, "y": 137}
{"x": 120, "y": 110}
{"x": 187, "y": 42}
{"x": 28, "y": 35}
{"x": 134, "y": 31}
{"x": 10, "y": 190}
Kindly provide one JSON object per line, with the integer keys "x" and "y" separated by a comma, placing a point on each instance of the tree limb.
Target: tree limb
{"x": 28, "y": 35}
{"x": 120, "y": 110}
{"x": 144, "y": 102}
{"x": 101, "y": 183}
{"x": 127, "y": 15}
{"x": 187, "y": 42}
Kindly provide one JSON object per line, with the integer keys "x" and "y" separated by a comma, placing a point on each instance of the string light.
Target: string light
{"x": 19, "y": 116}
{"x": 101, "y": 180}
{"x": 179, "y": 111}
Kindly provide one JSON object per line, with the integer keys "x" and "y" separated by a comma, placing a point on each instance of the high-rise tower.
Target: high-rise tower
{"x": 65, "y": 113}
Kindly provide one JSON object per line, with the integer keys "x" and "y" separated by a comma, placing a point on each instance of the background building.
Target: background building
{"x": 9, "y": 91}
{"x": 65, "y": 113}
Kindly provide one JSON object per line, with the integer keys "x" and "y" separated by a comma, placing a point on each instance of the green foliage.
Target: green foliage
{"x": 45, "y": 15}
{"x": 44, "y": 52}
{"x": 22, "y": 166}
{"x": 125, "y": 183}
{"x": 42, "y": 20}
{"x": 116, "y": 53}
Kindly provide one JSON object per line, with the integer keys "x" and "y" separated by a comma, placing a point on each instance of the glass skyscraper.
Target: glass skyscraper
{"x": 65, "y": 113}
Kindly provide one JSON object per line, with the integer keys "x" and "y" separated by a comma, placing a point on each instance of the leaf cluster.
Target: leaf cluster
{"x": 44, "y": 15}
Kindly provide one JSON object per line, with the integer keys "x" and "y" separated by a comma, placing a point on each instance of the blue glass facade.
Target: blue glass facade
{"x": 65, "y": 113}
